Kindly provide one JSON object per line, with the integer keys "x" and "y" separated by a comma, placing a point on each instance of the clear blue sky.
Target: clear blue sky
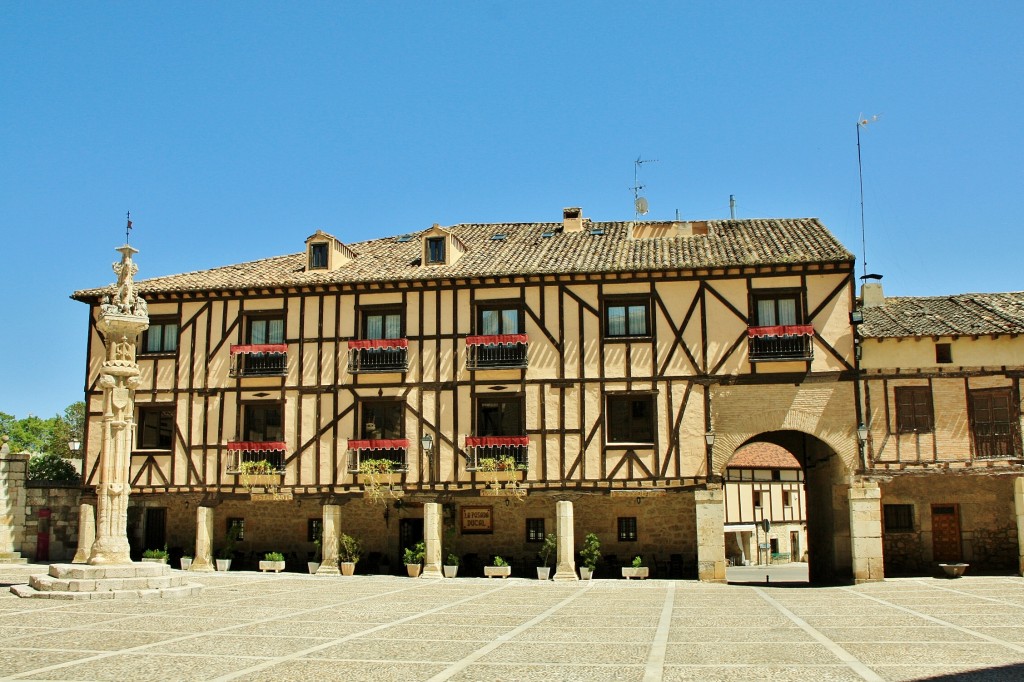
{"x": 234, "y": 130}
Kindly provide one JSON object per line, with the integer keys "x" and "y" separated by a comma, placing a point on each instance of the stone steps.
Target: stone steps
{"x": 117, "y": 581}
{"x": 12, "y": 558}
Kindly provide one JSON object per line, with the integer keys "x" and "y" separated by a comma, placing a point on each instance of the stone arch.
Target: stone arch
{"x": 843, "y": 442}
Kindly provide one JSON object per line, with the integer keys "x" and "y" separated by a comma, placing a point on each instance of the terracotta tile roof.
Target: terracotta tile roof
{"x": 959, "y": 315}
{"x": 526, "y": 251}
{"x": 763, "y": 456}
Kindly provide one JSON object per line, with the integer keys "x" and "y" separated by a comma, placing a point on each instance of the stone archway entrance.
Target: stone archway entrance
{"x": 824, "y": 507}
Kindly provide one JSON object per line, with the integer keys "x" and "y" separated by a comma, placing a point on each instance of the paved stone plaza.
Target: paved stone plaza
{"x": 248, "y": 626}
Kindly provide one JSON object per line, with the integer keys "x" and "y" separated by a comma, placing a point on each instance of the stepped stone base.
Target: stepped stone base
{"x": 117, "y": 581}
{"x": 12, "y": 558}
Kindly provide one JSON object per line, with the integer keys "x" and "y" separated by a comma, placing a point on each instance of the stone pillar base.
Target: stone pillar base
{"x": 115, "y": 581}
{"x": 565, "y": 568}
{"x": 12, "y": 558}
{"x": 866, "y": 533}
{"x": 710, "y": 535}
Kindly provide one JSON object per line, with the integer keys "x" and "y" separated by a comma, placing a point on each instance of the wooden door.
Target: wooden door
{"x": 945, "y": 533}
{"x": 156, "y": 528}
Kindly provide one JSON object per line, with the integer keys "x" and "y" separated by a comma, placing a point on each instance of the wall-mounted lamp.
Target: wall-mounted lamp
{"x": 506, "y": 501}
{"x": 862, "y": 434}
{"x": 74, "y": 445}
{"x": 856, "y": 317}
{"x": 709, "y": 438}
{"x": 638, "y": 498}
{"x": 427, "y": 442}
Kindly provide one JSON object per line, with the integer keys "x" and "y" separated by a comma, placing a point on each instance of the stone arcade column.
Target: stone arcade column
{"x": 565, "y": 567}
{"x": 866, "y": 532}
{"x": 432, "y": 541}
{"x": 710, "y": 535}
{"x": 203, "y": 560}
{"x": 1018, "y": 505}
{"x": 13, "y": 472}
{"x": 330, "y": 540}
{"x": 123, "y": 316}
{"x": 86, "y": 532}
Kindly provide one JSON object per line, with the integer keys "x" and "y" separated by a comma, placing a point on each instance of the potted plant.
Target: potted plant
{"x": 314, "y": 564}
{"x": 155, "y": 556}
{"x": 375, "y": 474}
{"x": 499, "y": 568}
{"x": 451, "y": 566}
{"x": 186, "y": 562}
{"x": 549, "y": 548}
{"x": 414, "y": 559}
{"x": 272, "y": 561}
{"x": 348, "y": 554}
{"x": 227, "y": 552}
{"x": 259, "y": 472}
{"x": 590, "y": 554}
{"x": 636, "y": 570}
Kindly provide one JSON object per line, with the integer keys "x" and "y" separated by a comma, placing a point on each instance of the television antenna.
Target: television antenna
{"x": 640, "y": 206}
{"x": 863, "y": 123}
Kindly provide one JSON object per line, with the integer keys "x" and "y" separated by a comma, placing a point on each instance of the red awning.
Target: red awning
{"x": 252, "y": 348}
{"x": 492, "y": 441}
{"x": 378, "y": 444}
{"x": 781, "y": 330}
{"x": 496, "y": 340}
{"x": 257, "y": 446}
{"x": 379, "y": 343}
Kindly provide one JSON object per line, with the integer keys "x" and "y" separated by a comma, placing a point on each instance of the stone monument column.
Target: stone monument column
{"x": 86, "y": 533}
{"x": 330, "y": 540}
{"x": 710, "y": 535}
{"x": 866, "y": 532}
{"x": 432, "y": 541}
{"x": 203, "y": 560}
{"x": 123, "y": 316}
{"x": 565, "y": 562}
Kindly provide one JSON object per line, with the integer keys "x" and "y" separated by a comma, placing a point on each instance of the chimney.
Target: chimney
{"x": 572, "y": 219}
{"x": 871, "y": 295}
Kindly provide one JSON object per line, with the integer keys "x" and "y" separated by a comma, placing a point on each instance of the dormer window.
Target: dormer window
{"x": 325, "y": 252}
{"x": 435, "y": 250}
{"x": 318, "y": 256}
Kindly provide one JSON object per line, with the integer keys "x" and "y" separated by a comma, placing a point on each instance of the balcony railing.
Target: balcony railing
{"x": 781, "y": 342}
{"x": 392, "y": 450}
{"x": 994, "y": 440}
{"x": 259, "y": 360}
{"x": 501, "y": 453}
{"x": 378, "y": 355}
{"x": 240, "y": 452}
{"x": 497, "y": 351}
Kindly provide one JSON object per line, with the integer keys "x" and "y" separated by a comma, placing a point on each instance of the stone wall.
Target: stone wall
{"x": 665, "y": 525}
{"x": 62, "y": 501}
{"x": 987, "y": 522}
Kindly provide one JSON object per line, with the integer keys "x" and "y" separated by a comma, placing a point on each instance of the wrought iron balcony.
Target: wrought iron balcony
{"x": 503, "y": 453}
{"x": 994, "y": 440}
{"x": 390, "y": 450}
{"x": 259, "y": 360}
{"x": 241, "y": 452}
{"x": 378, "y": 355}
{"x": 781, "y": 342}
{"x": 497, "y": 351}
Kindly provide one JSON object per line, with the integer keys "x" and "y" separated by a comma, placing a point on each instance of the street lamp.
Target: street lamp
{"x": 709, "y": 438}
{"x": 862, "y": 434}
{"x": 74, "y": 445}
{"x": 427, "y": 442}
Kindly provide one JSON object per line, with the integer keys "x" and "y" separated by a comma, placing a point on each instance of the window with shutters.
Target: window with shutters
{"x": 914, "y": 409}
{"x": 994, "y": 422}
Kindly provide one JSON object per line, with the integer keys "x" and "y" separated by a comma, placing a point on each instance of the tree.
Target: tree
{"x": 30, "y": 434}
{"x": 67, "y": 428}
{"x": 51, "y": 467}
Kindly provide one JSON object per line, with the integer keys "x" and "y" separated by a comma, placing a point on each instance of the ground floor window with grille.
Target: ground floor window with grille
{"x": 239, "y": 524}
{"x": 898, "y": 518}
{"x": 535, "y": 530}
{"x": 627, "y": 529}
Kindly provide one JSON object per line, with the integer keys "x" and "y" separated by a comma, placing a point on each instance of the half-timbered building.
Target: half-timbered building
{"x": 498, "y": 368}
{"x": 941, "y": 378}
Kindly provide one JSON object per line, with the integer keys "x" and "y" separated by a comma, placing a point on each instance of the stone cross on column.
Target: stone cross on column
{"x": 123, "y": 316}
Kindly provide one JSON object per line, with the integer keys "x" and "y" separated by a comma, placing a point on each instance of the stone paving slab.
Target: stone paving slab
{"x": 250, "y": 626}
